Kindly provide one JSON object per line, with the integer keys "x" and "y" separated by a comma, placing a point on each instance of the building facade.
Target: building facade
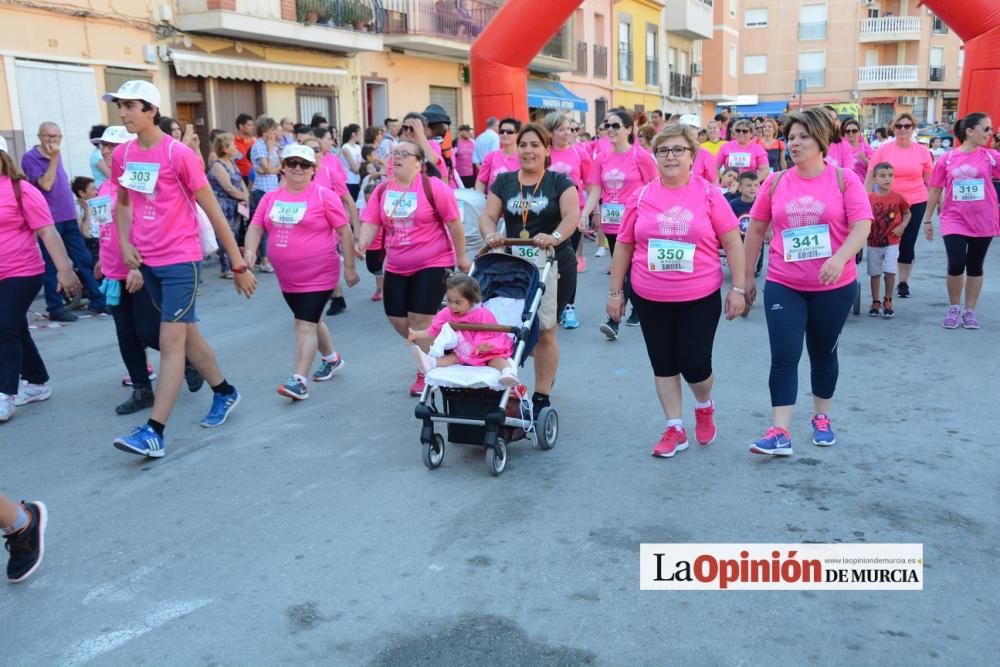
{"x": 637, "y": 63}
{"x": 591, "y": 77}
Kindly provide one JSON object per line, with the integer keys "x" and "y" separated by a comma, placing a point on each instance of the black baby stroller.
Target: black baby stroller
{"x": 476, "y": 408}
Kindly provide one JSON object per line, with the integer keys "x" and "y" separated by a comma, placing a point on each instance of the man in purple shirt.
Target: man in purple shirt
{"x": 43, "y": 167}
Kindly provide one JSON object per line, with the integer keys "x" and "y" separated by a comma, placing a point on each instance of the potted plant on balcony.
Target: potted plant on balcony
{"x": 356, "y": 13}
{"x": 309, "y": 10}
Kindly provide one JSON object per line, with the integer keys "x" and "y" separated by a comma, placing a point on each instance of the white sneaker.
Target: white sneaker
{"x": 31, "y": 393}
{"x": 601, "y": 252}
{"x": 6, "y": 407}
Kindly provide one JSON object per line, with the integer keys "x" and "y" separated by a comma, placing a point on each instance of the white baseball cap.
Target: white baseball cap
{"x": 136, "y": 90}
{"x": 3, "y": 144}
{"x": 115, "y": 134}
{"x": 299, "y": 151}
{"x": 690, "y": 119}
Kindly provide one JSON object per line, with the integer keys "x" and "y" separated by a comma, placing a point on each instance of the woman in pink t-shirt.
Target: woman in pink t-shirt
{"x": 820, "y": 217}
{"x": 855, "y": 148}
{"x": 330, "y": 174}
{"x": 502, "y": 160}
{"x": 24, "y": 220}
{"x": 423, "y": 239}
{"x": 911, "y": 164}
{"x": 304, "y": 221}
{"x": 464, "y": 150}
{"x": 742, "y": 153}
{"x": 670, "y": 240}
{"x": 962, "y": 183}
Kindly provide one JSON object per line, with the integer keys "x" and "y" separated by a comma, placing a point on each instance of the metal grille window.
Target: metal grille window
{"x": 812, "y": 22}
{"x": 652, "y": 66}
{"x": 312, "y": 101}
{"x": 447, "y": 98}
{"x": 755, "y": 18}
{"x": 625, "y": 51}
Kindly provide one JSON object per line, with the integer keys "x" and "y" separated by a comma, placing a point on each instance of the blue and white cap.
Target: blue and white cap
{"x": 136, "y": 90}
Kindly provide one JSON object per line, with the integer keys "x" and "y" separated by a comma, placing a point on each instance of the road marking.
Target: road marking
{"x": 123, "y": 589}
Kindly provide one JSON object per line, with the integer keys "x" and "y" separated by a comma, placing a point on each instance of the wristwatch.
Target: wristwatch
{"x": 240, "y": 269}
{"x": 556, "y": 235}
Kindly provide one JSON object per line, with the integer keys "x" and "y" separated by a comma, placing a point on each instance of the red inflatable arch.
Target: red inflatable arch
{"x": 500, "y": 55}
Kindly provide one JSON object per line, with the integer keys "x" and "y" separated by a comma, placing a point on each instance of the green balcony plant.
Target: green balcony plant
{"x": 309, "y": 11}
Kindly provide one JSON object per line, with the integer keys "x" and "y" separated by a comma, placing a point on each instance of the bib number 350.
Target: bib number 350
{"x": 667, "y": 255}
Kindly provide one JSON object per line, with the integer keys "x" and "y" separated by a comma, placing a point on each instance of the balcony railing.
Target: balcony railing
{"x": 364, "y": 15}
{"x": 812, "y": 31}
{"x": 625, "y": 65}
{"x": 581, "y": 57}
{"x": 936, "y": 73}
{"x": 462, "y": 21}
{"x": 652, "y": 72}
{"x": 814, "y": 78}
{"x": 558, "y": 46}
{"x": 600, "y": 61}
{"x": 888, "y": 74}
{"x": 680, "y": 86}
{"x": 891, "y": 26}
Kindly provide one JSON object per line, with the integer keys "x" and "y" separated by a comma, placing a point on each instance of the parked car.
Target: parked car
{"x": 925, "y": 134}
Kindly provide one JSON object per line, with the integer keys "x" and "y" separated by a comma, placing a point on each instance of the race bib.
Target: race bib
{"x": 100, "y": 214}
{"x": 804, "y": 243}
{"x": 968, "y": 189}
{"x": 612, "y": 214}
{"x": 288, "y": 213}
{"x": 667, "y": 255}
{"x": 140, "y": 176}
{"x": 400, "y": 204}
{"x": 740, "y": 160}
{"x": 533, "y": 254}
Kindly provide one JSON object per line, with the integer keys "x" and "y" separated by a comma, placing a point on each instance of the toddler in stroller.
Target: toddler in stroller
{"x": 448, "y": 347}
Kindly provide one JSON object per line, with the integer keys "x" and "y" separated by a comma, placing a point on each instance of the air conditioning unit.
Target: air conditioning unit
{"x": 696, "y": 69}
{"x": 907, "y": 101}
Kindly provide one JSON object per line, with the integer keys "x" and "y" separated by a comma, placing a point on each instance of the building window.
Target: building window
{"x": 732, "y": 60}
{"x": 938, "y": 26}
{"x": 625, "y": 50}
{"x": 732, "y": 7}
{"x": 754, "y": 64}
{"x": 312, "y": 100}
{"x": 652, "y": 62}
{"x": 755, "y": 18}
{"x": 812, "y": 22}
{"x": 936, "y": 74}
{"x": 812, "y": 68}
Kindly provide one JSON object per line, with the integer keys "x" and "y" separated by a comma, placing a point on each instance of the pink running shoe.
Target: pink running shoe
{"x": 581, "y": 264}
{"x": 674, "y": 440}
{"x": 377, "y": 296}
{"x": 417, "y": 387}
{"x": 953, "y": 318}
{"x": 969, "y": 320}
{"x": 704, "y": 427}
{"x": 127, "y": 381}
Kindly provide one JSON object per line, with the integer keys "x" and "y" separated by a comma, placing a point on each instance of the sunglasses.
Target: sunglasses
{"x": 612, "y": 126}
{"x": 852, "y": 131}
{"x": 295, "y": 163}
{"x": 574, "y": 129}
{"x": 904, "y": 126}
{"x": 508, "y": 131}
{"x": 407, "y": 128}
{"x": 741, "y": 131}
{"x": 671, "y": 151}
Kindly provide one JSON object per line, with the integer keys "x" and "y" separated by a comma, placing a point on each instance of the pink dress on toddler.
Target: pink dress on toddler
{"x": 469, "y": 341}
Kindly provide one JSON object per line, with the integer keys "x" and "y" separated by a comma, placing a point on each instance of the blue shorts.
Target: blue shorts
{"x": 173, "y": 289}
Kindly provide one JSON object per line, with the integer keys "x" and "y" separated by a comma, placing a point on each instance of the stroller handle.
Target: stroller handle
{"x": 510, "y": 243}
{"x": 494, "y": 328}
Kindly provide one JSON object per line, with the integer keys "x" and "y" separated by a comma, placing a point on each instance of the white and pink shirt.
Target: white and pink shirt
{"x": 496, "y": 163}
{"x": 160, "y": 183}
{"x": 815, "y": 218}
{"x": 575, "y": 165}
{"x": 469, "y": 341}
{"x": 750, "y": 157}
{"x": 619, "y": 175}
{"x": 851, "y": 159}
{"x": 968, "y": 198}
{"x": 676, "y": 234}
{"x": 302, "y": 236}
{"x": 20, "y": 256}
{"x": 417, "y": 235}
{"x": 330, "y": 178}
{"x": 110, "y": 253}
{"x": 704, "y": 166}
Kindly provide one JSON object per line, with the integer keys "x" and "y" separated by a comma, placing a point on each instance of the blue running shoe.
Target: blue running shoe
{"x": 823, "y": 435}
{"x": 776, "y": 442}
{"x": 569, "y": 320}
{"x": 143, "y": 441}
{"x": 222, "y": 405}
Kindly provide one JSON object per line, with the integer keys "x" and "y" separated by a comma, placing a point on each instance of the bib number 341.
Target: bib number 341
{"x": 805, "y": 243}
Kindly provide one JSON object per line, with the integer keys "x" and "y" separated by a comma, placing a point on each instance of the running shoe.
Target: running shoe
{"x": 143, "y": 441}
{"x": 673, "y": 440}
{"x": 6, "y": 407}
{"x": 610, "y": 329}
{"x": 327, "y": 369}
{"x": 953, "y": 319}
{"x": 31, "y": 393}
{"x": 776, "y": 442}
{"x": 226, "y": 275}
{"x": 601, "y": 251}
{"x": 823, "y": 434}
{"x": 141, "y": 398}
{"x": 590, "y": 234}
{"x": 265, "y": 266}
{"x": 633, "y": 319}
{"x": 222, "y": 405}
{"x": 887, "y": 311}
{"x": 875, "y": 310}
{"x": 903, "y": 290}
{"x": 62, "y": 316}
{"x": 192, "y": 377}
{"x": 27, "y": 546}
{"x": 294, "y": 388}
{"x": 569, "y": 320}
{"x": 377, "y": 296}
{"x": 704, "y": 425}
{"x": 337, "y": 306}
{"x": 127, "y": 381}
{"x": 581, "y": 264}
{"x": 969, "y": 320}
{"x": 417, "y": 387}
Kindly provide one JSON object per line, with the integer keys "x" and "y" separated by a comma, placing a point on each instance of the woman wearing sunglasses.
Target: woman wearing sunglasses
{"x": 859, "y": 151}
{"x": 742, "y": 153}
{"x": 969, "y": 215}
{"x": 615, "y": 175}
{"x": 502, "y": 160}
{"x": 304, "y": 222}
{"x": 912, "y": 164}
{"x": 669, "y": 240}
{"x": 772, "y": 145}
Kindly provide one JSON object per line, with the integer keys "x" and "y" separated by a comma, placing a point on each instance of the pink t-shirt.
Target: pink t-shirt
{"x": 331, "y": 179}
{"x": 745, "y": 158}
{"x": 469, "y": 341}
{"x": 840, "y": 154}
{"x": 303, "y": 250}
{"x": 19, "y": 253}
{"x": 704, "y": 166}
{"x": 332, "y": 162}
{"x": 441, "y": 165}
{"x": 417, "y": 234}
{"x": 663, "y": 222}
{"x": 619, "y": 176}
{"x": 909, "y": 165}
{"x": 575, "y": 165}
{"x": 164, "y": 223}
{"x": 112, "y": 264}
{"x": 802, "y": 202}
{"x": 969, "y": 215}
{"x": 494, "y": 164}
{"x": 463, "y": 156}
{"x": 853, "y": 162}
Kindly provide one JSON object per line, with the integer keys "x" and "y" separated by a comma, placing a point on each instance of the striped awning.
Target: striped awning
{"x": 189, "y": 63}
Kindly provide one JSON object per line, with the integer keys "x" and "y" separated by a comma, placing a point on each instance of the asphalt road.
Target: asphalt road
{"x": 312, "y": 534}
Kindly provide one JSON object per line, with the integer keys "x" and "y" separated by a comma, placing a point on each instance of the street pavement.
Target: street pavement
{"x": 312, "y": 534}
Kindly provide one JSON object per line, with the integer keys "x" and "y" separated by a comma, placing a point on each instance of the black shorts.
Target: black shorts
{"x": 419, "y": 293}
{"x": 374, "y": 261}
{"x": 307, "y": 306}
{"x": 566, "y": 290}
{"x": 680, "y": 335}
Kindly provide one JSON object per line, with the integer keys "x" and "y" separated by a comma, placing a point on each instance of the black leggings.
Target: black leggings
{"x": 909, "y": 240}
{"x": 137, "y": 326}
{"x": 18, "y": 355}
{"x": 307, "y": 306}
{"x": 966, "y": 254}
{"x": 680, "y": 335}
{"x": 421, "y": 292}
{"x": 627, "y": 287}
{"x": 375, "y": 261}
{"x": 819, "y": 317}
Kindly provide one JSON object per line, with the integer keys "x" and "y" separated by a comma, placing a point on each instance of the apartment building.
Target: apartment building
{"x": 591, "y": 78}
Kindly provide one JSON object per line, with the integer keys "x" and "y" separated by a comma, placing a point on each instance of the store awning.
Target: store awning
{"x": 189, "y": 63}
{"x": 759, "y": 109}
{"x": 878, "y": 100}
{"x": 553, "y": 95}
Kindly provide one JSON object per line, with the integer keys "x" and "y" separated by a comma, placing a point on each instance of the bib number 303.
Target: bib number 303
{"x": 141, "y": 176}
{"x": 667, "y": 255}
{"x": 805, "y": 243}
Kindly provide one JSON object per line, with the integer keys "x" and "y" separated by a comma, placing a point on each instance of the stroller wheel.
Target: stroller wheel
{"x": 496, "y": 458}
{"x": 547, "y": 428}
{"x": 434, "y": 452}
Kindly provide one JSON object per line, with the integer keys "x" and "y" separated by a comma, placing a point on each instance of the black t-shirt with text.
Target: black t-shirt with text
{"x": 544, "y": 214}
